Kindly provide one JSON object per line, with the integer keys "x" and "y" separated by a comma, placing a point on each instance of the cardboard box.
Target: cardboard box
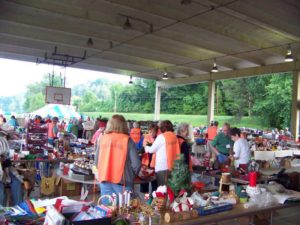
{"x": 67, "y": 188}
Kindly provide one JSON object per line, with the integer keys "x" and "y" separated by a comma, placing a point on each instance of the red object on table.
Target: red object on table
{"x": 16, "y": 156}
{"x": 198, "y": 185}
{"x": 252, "y": 179}
{"x": 66, "y": 170}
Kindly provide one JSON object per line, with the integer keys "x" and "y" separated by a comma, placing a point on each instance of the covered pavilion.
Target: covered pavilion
{"x": 182, "y": 39}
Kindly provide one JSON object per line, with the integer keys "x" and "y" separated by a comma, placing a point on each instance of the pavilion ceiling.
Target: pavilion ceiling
{"x": 244, "y": 36}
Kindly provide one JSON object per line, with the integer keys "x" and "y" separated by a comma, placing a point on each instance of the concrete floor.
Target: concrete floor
{"x": 289, "y": 216}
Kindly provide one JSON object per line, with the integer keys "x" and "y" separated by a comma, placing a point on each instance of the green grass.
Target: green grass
{"x": 195, "y": 120}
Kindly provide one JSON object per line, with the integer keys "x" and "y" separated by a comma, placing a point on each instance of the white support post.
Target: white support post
{"x": 211, "y": 101}
{"x": 157, "y": 102}
{"x": 295, "y": 105}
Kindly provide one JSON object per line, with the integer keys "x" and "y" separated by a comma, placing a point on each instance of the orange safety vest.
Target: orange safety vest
{"x": 51, "y": 134}
{"x": 172, "y": 149}
{"x": 212, "y": 132}
{"x": 112, "y": 157}
{"x": 145, "y": 158}
{"x": 135, "y": 134}
{"x": 181, "y": 140}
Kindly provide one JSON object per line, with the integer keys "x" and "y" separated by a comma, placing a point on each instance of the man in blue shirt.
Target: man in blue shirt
{"x": 13, "y": 122}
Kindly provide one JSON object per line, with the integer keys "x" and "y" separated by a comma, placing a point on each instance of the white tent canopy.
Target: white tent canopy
{"x": 61, "y": 111}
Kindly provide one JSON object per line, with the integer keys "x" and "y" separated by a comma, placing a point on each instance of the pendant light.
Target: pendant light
{"x": 214, "y": 69}
{"x": 130, "y": 81}
{"x": 289, "y": 56}
{"x": 165, "y": 76}
{"x": 90, "y": 42}
{"x": 127, "y": 24}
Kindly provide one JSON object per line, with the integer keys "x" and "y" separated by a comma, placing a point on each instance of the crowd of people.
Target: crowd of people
{"x": 80, "y": 128}
{"x": 122, "y": 149}
{"x": 117, "y": 154}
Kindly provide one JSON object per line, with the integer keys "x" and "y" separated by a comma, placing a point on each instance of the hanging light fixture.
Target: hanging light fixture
{"x": 289, "y": 56}
{"x": 127, "y": 24}
{"x": 130, "y": 81}
{"x": 214, "y": 69}
{"x": 165, "y": 76}
{"x": 90, "y": 42}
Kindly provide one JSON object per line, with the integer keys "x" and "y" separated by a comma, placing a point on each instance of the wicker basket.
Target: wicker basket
{"x": 160, "y": 203}
{"x": 111, "y": 200}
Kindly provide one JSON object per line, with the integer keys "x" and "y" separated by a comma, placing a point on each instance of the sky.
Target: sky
{"x": 16, "y": 75}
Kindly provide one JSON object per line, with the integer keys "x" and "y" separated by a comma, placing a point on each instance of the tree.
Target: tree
{"x": 180, "y": 176}
{"x": 275, "y": 106}
{"x": 35, "y": 94}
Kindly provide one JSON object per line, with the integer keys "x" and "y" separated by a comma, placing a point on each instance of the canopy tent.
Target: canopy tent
{"x": 61, "y": 111}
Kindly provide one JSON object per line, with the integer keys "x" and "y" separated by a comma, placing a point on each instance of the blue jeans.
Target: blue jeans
{"x": 109, "y": 189}
{"x": 16, "y": 191}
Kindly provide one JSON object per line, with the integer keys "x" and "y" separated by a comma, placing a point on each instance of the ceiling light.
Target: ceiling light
{"x": 127, "y": 24}
{"x": 90, "y": 42}
{"x": 130, "y": 81}
{"x": 165, "y": 76}
{"x": 289, "y": 56}
{"x": 214, "y": 69}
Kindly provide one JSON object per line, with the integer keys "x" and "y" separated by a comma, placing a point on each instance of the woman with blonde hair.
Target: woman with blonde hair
{"x": 116, "y": 158}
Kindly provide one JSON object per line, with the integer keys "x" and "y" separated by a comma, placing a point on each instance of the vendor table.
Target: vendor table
{"x": 86, "y": 184}
{"x": 238, "y": 212}
{"x": 66, "y": 177}
{"x": 43, "y": 160}
{"x": 264, "y": 179}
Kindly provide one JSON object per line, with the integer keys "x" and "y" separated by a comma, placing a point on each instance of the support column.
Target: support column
{"x": 211, "y": 101}
{"x": 157, "y": 102}
{"x": 295, "y": 105}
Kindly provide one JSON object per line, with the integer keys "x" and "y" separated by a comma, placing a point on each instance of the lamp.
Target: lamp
{"x": 127, "y": 24}
{"x": 165, "y": 76}
{"x": 90, "y": 42}
{"x": 214, "y": 69}
{"x": 130, "y": 81}
{"x": 289, "y": 56}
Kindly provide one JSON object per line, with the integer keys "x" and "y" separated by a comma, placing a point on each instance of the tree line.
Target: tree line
{"x": 267, "y": 98}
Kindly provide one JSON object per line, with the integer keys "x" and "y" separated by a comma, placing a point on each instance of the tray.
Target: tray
{"x": 208, "y": 210}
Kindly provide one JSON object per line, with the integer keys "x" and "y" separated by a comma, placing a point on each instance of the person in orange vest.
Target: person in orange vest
{"x": 182, "y": 134}
{"x": 166, "y": 149}
{"x": 147, "y": 157}
{"x": 212, "y": 130}
{"x": 137, "y": 135}
{"x": 116, "y": 158}
{"x": 52, "y": 130}
{"x": 211, "y": 133}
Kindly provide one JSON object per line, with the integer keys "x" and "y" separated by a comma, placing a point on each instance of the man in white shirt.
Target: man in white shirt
{"x": 241, "y": 149}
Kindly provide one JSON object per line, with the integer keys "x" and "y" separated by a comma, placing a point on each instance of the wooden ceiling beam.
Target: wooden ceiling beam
{"x": 11, "y": 38}
{"x": 173, "y": 39}
{"x": 139, "y": 6}
{"x": 241, "y": 73}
